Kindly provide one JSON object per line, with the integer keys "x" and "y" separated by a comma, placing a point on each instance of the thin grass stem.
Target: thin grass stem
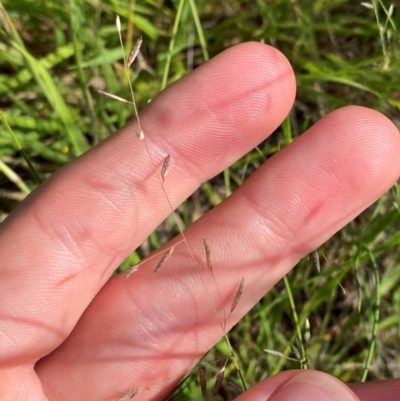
{"x": 296, "y": 321}
{"x": 375, "y": 324}
{"x": 222, "y": 322}
{"x": 172, "y": 44}
{"x": 199, "y": 29}
{"x": 18, "y": 145}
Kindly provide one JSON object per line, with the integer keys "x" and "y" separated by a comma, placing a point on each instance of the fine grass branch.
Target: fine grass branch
{"x": 164, "y": 171}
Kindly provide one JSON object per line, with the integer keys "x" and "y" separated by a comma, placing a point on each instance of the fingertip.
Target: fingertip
{"x": 246, "y": 86}
{"x": 259, "y": 62}
{"x": 371, "y": 120}
{"x": 387, "y": 390}
{"x": 260, "y": 55}
{"x": 363, "y": 144}
{"x": 300, "y": 385}
{"x": 383, "y": 139}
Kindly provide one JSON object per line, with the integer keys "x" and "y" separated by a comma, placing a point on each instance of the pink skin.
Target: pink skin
{"x": 60, "y": 247}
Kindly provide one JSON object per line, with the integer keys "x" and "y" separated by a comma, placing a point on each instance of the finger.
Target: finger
{"x": 387, "y": 390}
{"x": 62, "y": 245}
{"x": 310, "y": 385}
{"x": 157, "y": 327}
{"x": 300, "y": 385}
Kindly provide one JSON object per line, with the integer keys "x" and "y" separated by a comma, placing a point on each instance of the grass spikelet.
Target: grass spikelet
{"x": 165, "y": 167}
{"x": 139, "y": 133}
{"x": 218, "y": 380}
{"x": 203, "y": 383}
{"x": 131, "y": 393}
{"x": 280, "y": 355}
{"x": 208, "y": 255}
{"x": 118, "y": 24}
{"x": 161, "y": 263}
{"x": 237, "y": 296}
{"x": 120, "y": 99}
{"x": 316, "y": 261}
{"x": 134, "y": 268}
{"x": 134, "y": 52}
{"x": 130, "y": 271}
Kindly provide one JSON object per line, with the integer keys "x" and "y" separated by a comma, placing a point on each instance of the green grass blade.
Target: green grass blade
{"x": 32, "y": 168}
{"x": 296, "y": 320}
{"x": 13, "y": 177}
{"x": 199, "y": 29}
{"x": 76, "y": 17}
{"x": 375, "y": 324}
{"x": 172, "y": 44}
{"x": 55, "y": 99}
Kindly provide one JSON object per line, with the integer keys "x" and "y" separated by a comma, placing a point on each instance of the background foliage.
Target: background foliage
{"x": 54, "y": 53}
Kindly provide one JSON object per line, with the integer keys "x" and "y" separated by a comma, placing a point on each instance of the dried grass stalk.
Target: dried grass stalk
{"x": 316, "y": 261}
{"x": 218, "y": 381}
{"x": 130, "y": 271}
{"x": 161, "y": 263}
{"x": 203, "y": 383}
{"x": 120, "y": 99}
{"x": 134, "y": 268}
{"x": 131, "y": 393}
{"x": 134, "y": 52}
{"x": 237, "y": 296}
{"x": 208, "y": 255}
{"x": 166, "y": 166}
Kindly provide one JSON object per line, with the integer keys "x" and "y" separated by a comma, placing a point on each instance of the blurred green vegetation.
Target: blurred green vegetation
{"x": 53, "y": 54}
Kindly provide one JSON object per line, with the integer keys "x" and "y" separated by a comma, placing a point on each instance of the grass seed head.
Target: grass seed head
{"x": 237, "y": 296}
{"x": 118, "y": 23}
{"x": 218, "y": 381}
{"x": 134, "y": 52}
{"x": 130, "y": 271}
{"x": 110, "y": 95}
{"x": 203, "y": 383}
{"x": 208, "y": 255}
{"x": 131, "y": 393}
{"x": 166, "y": 166}
{"x": 161, "y": 263}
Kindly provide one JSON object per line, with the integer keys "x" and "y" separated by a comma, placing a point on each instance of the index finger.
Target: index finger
{"x": 62, "y": 245}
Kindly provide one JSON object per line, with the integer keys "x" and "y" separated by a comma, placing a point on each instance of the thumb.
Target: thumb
{"x": 300, "y": 385}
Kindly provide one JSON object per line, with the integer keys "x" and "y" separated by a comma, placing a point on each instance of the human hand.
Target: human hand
{"x": 58, "y": 250}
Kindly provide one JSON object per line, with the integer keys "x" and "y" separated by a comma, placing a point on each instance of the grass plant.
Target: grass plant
{"x": 53, "y": 56}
